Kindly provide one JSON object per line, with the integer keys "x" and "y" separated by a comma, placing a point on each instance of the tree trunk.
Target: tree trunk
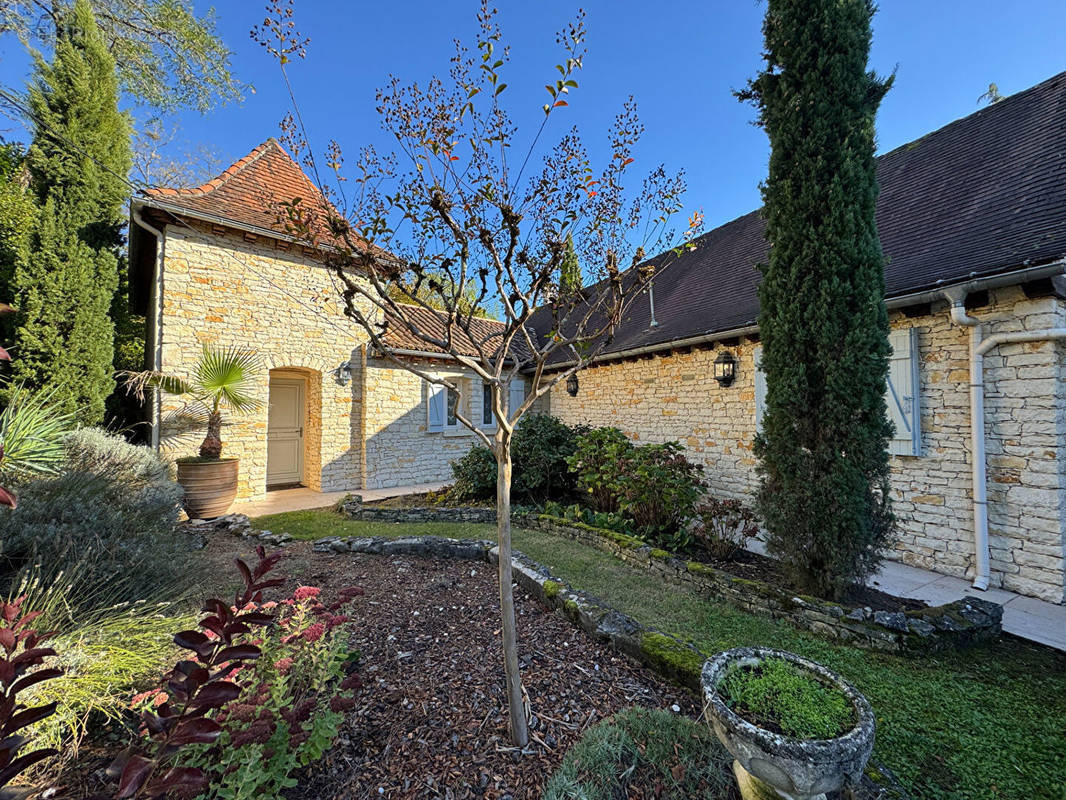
{"x": 211, "y": 447}
{"x": 512, "y": 677}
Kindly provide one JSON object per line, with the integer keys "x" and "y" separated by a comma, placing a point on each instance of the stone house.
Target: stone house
{"x": 212, "y": 266}
{"x": 972, "y": 219}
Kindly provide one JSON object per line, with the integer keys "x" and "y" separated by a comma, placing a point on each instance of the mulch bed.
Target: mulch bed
{"x": 431, "y": 720}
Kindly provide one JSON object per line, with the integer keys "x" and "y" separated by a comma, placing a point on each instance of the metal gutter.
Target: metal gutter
{"x": 155, "y": 304}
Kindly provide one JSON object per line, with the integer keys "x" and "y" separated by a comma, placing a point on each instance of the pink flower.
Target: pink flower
{"x": 334, "y": 620}
{"x": 306, "y": 592}
{"x": 160, "y": 698}
{"x": 269, "y": 605}
{"x": 283, "y": 665}
{"x": 314, "y": 632}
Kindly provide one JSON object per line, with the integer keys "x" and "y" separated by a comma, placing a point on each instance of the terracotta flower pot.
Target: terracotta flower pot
{"x": 769, "y": 765}
{"x": 210, "y": 486}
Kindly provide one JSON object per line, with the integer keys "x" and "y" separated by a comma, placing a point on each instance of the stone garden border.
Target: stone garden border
{"x": 662, "y": 653}
{"x": 353, "y": 507}
{"x": 954, "y": 625}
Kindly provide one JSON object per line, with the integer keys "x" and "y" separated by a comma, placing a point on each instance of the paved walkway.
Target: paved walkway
{"x": 301, "y": 499}
{"x": 1027, "y": 617}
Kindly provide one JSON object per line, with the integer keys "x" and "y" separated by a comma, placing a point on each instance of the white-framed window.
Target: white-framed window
{"x": 902, "y": 393}
{"x": 488, "y": 419}
{"x": 442, "y": 403}
{"x": 760, "y": 387}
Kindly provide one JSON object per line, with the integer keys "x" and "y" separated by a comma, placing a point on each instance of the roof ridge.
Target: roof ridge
{"x": 223, "y": 177}
{"x": 1006, "y": 102}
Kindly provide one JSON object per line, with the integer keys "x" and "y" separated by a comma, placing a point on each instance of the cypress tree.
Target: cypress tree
{"x": 570, "y": 270}
{"x": 77, "y": 161}
{"x": 823, "y": 462}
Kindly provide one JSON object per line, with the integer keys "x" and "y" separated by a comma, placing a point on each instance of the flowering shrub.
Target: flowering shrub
{"x": 248, "y": 711}
{"x": 292, "y": 703}
{"x": 725, "y": 527}
{"x": 17, "y": 672}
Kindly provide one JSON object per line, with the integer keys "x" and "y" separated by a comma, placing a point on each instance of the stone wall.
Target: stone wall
{"x": 674, "y": 396}
{"x": 958, "y": 624}
{"x": 223, "y": 289}
{"x": 400, "y": 449}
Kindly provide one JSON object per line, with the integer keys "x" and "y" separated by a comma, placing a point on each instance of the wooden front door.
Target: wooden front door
{"x": 285, "y": 432}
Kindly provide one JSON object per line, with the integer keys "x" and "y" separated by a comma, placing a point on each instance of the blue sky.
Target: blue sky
{"x": 679, "y": 58}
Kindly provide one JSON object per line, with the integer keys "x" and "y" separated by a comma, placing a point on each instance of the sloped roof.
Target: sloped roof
{"x": 486, "y": 332}
{"x": 249, "y": 192}
{"x": 981, "y": 196}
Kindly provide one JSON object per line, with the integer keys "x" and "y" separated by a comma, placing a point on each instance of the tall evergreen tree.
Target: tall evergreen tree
{"x": 570, "y": 272}
{"x": 822, "y": 452}
{"x": 77, "y": 161}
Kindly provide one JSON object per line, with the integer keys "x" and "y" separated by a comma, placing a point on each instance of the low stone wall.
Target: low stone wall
{"x": 353, "y": 507}
{"x": 954, "y": 625}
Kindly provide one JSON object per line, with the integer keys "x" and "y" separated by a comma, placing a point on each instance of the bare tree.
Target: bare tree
{"x": 159, "y": 159}
{"x": 454, "y": 212}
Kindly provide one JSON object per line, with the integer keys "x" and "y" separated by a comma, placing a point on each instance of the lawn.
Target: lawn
{"x": 989, "y": 722}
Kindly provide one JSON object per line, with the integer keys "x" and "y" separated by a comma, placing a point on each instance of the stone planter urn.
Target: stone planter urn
{"x": 210, "y": 486}
{"x": 770, "y": 766}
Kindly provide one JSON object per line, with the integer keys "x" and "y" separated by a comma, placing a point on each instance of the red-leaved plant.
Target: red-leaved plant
{"x": 198, "y": 686}
{"x": 22, "y": 654}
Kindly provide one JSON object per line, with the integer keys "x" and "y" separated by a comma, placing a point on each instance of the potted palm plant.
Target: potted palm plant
{"x": 223, "y": 379}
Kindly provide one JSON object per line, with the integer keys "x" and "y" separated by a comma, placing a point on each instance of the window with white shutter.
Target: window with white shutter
{"x": 435, "y": 407}
{"x": 516, "y": 395}
{"x": 760, "y": 387}
{"x": 902, "y": 393}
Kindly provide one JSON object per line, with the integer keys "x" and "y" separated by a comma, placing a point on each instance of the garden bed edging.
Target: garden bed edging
{"x": 662, "y": 653}
{"x": 954, "y": 625}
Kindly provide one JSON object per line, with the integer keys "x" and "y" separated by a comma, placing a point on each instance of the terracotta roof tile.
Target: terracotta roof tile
{"x": 248, "y": 193}
{"x": 486, "y": 332}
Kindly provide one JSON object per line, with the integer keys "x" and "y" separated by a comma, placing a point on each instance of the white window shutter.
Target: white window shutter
{"x": 436, "y": 397}
{"x": 760, "y": 387}
{"x": 516, "y": 395}
{"x": 901, "y": 393}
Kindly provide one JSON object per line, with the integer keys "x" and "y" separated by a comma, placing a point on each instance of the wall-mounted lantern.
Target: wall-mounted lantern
{"x": 343, "y": 373}
{"x": 571, "y": 385}
{"x": 725, "y": 368}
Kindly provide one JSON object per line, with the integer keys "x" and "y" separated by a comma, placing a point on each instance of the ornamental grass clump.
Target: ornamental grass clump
{"x": 106, "y": 522}
{"x": 780, "y": 697}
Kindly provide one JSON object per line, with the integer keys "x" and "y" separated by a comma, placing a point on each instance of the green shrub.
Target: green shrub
{"x": 659, "y": 491}
{"x": 539, "y": 452}
{"x": 475, "y": 476}
{"x": 540, "y": 449}
{"x": 110, "y": 514}
{"x": 596, "y": 464}
{"x": 779, "y": 696}
{"x": 644, "y": 753}
{"x": 586, "y": 516}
